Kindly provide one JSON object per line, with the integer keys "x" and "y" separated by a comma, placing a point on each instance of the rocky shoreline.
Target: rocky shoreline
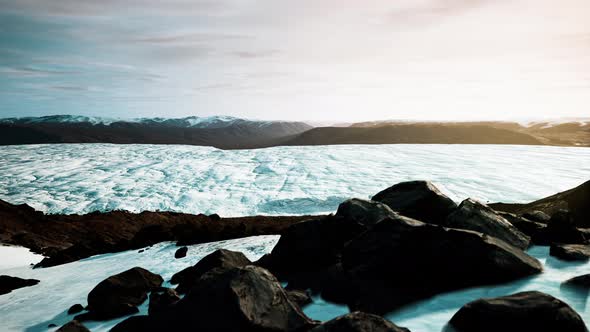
{"x": 409, "y": 243}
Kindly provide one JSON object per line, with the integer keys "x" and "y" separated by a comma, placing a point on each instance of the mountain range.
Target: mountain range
{"x": 235, "y": 133}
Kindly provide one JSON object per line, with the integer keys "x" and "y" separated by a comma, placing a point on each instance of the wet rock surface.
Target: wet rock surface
{"x": 571, "y": 252}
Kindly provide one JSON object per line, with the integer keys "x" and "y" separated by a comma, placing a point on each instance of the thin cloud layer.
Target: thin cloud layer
{"x": 315, "y": 60}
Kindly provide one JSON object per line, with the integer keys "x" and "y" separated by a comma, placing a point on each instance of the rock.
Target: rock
{"x": 73, "y": 326}
{"x": 582, "y": 281}
{"x": 245, "y": 299}
{"x": 181, "y": 252}
{"x": 570, "y": 252}
{"x": 363, "y": 211}
{"x": 214, "y": 217}
{"x": 119, "y": 295}
{"x": 526, "y": 311}
{"x": 419, "y": 200}
{"x": 358, "y": 322}
{"x": 537, "y": 216}
{"x": 51, "y": 325}
{"x": 76, "y": 308}
{"x": 220, "y": 258}
{"x": 310, "y": 246}
{"x": 8, "y": 283}
{"x": 475, "y": 216}
{"x": 402, "y": 260}
{"x": 301, "y": 298}
{"x": 575, "y": 200}
{"x": 162, "y": 299}
{"x": 140, "y": 323}
{"x": 535, "y": 230}
{"x": 562, "y": 229}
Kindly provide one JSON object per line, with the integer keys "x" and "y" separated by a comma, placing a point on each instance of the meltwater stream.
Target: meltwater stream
{"x": 31, "y": 309}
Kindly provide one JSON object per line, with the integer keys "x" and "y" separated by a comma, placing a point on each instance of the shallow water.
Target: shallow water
{"x": 31, "y": 309}
{"x": 81, "y": 178}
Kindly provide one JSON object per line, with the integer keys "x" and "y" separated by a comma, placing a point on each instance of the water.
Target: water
{"x": 81, "y": 178}
{"x": 31, "y": 309}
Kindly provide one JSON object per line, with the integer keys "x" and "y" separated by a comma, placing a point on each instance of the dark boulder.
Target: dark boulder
{"x": 245, "y": 299}
{"x": 575, "y": 200}
{"x": 220, "y": 258}
{"x": 526, "y": 311}
{"x": 537, "y": 216}
{"x": 162, "y": 299}
{"x": 582, "y": 281}
{"x": 363, "y": 211}
{"x": 562, "y": 229}
{"x": 402, "y": 260}
{"x": 120, "y": 294}
{"x": 535, "y": 230}
{"x": 76, "y": 308}
{"x": 475, "y": 216}
{"x": 214, "y": 217}
{"x": 301, "y": 298}
{"x": 73, "y": 326}
{"x": 8, "y": 283}
{"x": 309, "y": 246}
{"x": 570, "y": 252}
{"x": 419, "y": 200}
{"x": 181, "y": 252}
{"x": 358, "y": 322}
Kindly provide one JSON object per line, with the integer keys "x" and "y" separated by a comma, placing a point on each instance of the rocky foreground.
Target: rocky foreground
{"x": 409, "y": 243}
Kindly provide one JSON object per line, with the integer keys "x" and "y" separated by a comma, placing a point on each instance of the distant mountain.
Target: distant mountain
{"x": 217, "y": 131}
{"x": 234, "y": 133}
{"x": 415, "y": 133}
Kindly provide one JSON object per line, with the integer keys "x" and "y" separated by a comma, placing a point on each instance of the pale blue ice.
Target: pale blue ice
{"x": 81, "y": 178}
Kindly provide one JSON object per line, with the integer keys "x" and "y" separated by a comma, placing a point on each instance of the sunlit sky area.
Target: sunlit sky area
{"x": 319, "y": 60}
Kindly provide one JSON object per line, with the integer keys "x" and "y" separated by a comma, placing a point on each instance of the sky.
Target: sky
{"x": 314, "y": 60}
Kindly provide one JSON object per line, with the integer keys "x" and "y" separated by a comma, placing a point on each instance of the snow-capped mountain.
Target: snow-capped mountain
{"x": 218, "y": 131}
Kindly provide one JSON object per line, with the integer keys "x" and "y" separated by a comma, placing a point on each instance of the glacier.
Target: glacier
{"x": 82, "y": 178}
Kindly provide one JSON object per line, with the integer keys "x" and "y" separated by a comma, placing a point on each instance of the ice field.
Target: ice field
{"x": 81, "y": 178}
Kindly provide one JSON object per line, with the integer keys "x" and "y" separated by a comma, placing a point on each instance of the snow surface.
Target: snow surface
{"x": 31, "y": 309}
{"x": 81, "y": 178}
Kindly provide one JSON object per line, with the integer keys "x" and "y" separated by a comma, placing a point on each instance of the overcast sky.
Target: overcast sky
{"x": 322, "y": 60}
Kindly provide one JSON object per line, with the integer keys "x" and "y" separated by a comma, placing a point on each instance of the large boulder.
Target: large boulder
{"x": 526, "y": 311}
{"x": 8, "y": 283}
{"x": 229, "y": 299}
{"x": 419, "y": 200}
{"x": 570, "y": 252}
{"x": 575, "y": 200}
{"x": 582, "y": 281}
{"x": 309, "y": 246}
{"x": 359, "y": 322}
{"x": 475, "y": 216}
{"x": 73, "y": 326}
{"x": 363, "y": 211}
{"x": 535, "y": 230}
{"x": 220, "y": 258}
{"x": 562, "y": 229}
{"x": 402, "y": 260}
{"x": 120, "y": 294}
